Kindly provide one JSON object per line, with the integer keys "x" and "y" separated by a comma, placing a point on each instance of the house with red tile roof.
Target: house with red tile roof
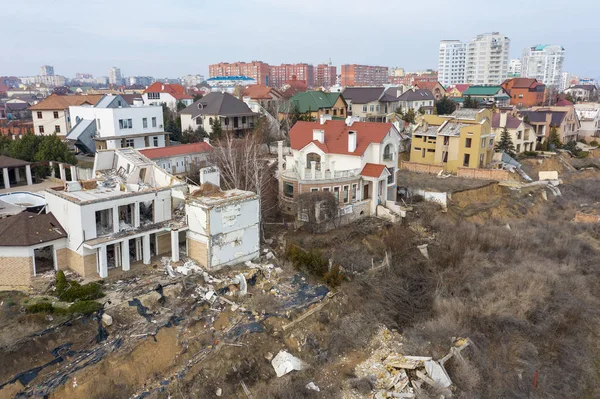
{"x": 525, "y": 92}
{"x": 355, "y": 161}
{"x": 433, "y": 86}
{"x": 266, "y": 96}
{"x": 164, "y": 93}
{"x": 179, "y": 159}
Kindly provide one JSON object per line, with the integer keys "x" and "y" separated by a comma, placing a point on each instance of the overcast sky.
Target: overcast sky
{"x": 171, "y": 38}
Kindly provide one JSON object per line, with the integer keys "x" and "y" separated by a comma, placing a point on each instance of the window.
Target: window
{"x": 41, "y": 129}
{"x": 154, "y": 121}
{"x": 210, "y": 121}
{"x": 314, "y": 189}
{"x": 55, "y": 113}
{"x": 326, "y": 189}
{"x": 153, "y": 96}
{"x": 342, "y": 112}
{"x": 326, "y": 112}
{"x": 312, "y": 156}
{"x": 129, "y": 143}
{"x": 390, "y": 179}
{"x": 346, "y": 193}
{"x": 466, "y": 160}
{"x": 144, "y": 123}
{"x": 336, "y": 192}
{"x": 388, "y": 153}
{"x": 423, "y": 153}
{"x": 364, "y": 108}
{"x": 468, "y": 142}
{"x": 119, "y": 103}
{"x": 378, "y": 108}
{"x": 155, "y": 141}
{"x": 39, "y": 115}
{"x": 226, "y": 121}
{"x": 354, "y": 189}
{"x": 125, "y": 124}
{"x": 243, "y": 120}
{"x": 199, "y": 120}
{"x": 424, "y": 139}
{"x": 56, "y": 128}
{"x": 372, "y": 108}
{"x": 482, "y": 143}
{"x": 288, "y": 190}
{"x": 335, "y": 112}
{"x": 491, "y": 142}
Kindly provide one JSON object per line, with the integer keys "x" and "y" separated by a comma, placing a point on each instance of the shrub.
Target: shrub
{"x": 594, "y": 143}
{"x": 530, "y": 153}
{"x": 61, "y": 282}
{"x": 85, "y": 307}
{"x": 334, "y": 277}
{"x": 41, "y": 307}
{"x": 582, "y": 154}
{"x": 85, "y": 292}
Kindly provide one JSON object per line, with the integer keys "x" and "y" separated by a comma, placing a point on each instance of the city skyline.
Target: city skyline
{"x": 161, "y": 44}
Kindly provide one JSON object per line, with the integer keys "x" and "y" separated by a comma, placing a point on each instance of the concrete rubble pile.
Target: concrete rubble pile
{"x": 396, "y": 375}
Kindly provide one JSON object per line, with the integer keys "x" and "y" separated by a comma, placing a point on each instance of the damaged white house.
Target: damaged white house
{"x": 133, "y": 210}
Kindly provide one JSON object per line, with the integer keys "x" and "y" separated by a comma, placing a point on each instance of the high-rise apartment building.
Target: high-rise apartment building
{"x": 192, "y": 80}
{"x": 256, "y": 70}
{"x": 544, "y": 63}
{"x": 284, "y": 72}
{"x": 46, "y": 70}
{"x": 364, "y": 75}
{"x": 451, "y": 62}
{"x": 325, "y": 75}
{"x": 487, "y": 59}
{"x": 514, "y": 68}
{"x": 114, "y": 76}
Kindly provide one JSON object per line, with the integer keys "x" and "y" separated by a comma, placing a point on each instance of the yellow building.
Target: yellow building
{"x": 463, "y": 139}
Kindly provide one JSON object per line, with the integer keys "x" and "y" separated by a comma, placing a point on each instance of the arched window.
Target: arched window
{"x": 199, "y": 120}
{"x": 388, "y": 153}
{"x": 313, "y": 157}
{"x": 210, "y": 120}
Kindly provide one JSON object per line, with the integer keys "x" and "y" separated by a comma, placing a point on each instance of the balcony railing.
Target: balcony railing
{"x": 321, "y": 175}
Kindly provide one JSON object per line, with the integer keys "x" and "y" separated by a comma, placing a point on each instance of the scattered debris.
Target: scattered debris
{"x": 311, "y": 386}
{"x": 285, "y": 362}
{"x": 423, "y": 250}
{"x": 219, "y": 392}
{"x": 107, "y": 319}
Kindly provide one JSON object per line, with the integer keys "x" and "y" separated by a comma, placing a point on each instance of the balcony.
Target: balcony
{"x": 320, "y": 175}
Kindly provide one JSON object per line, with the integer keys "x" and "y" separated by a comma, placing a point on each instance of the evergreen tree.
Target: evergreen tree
{"x": 470, "y": 102}
{"x": 445, "y": 106}
{"x": 506, "y": 144}
{"x": 217, "y": 128}
{"x": 409, "y": 116}
{"x": 554, "y": 138}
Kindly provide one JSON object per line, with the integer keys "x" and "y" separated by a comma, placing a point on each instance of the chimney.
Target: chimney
{"x": 324, "y": 118}
{"x": 351, "y": 141}
{"x": 351, "y": 119}
{"x": 425, "y": 125}
{"x": 138, "y": 102}
{"x": 503, "y": 119}
{"x": 319, "y": 135}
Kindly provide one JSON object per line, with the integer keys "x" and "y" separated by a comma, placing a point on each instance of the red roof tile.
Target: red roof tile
{"x": 523, "y": 83}
{"x": 336, "y": 135}
{"x": 461, "y": 87}
{"x": 261, "y": 92}
{"x": 564, "y": 103}
{"x": 372, "y": 170}
{"x": 177, "y": 91}
{"x": 173, "y": 150}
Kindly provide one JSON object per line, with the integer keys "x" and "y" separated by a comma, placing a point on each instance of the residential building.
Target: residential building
{"x": 543, "y": 119}
{"x": 433, "y": 86}
{"x": 267, "y": 97}
{"x": 589, "y": 118}
{"x": 582, "y": 92}
{"x": 51, "y": 115}
{"x": 325, "y": 75}
{"x": 417, "y": 100}
{"x": 544, "y": 63}
{"x": 140, "y": 81}
{"x": 522, "y": 134}
{"x": 462, "y": 139}
{"x": 355, "y": 161}
{"x": 163, "y": 93}
{"x": 46, "y": 70}
{"x": 284, "y": 72}
{"x": 230, "y": 84}
{"x": 514, "y": 68}
{"x": 293, "y": 87}
{"x": 566, "y": 81}
{"x": 487, "y": 59}
{"x": 112, "y": 123}
{"x": 257, "y": 70}
{"x": 16, "y": 109}
{"x": 488, "y": 95}
{"x": 318, "y": 103}
{"x": 192, "y": 80}
{"x": 587, "y": 81}
{"x": 364, "y": 75}
{"x": 44, "y": 80}
{"x": 234, "y": 114}
{"x": 452, "y": 62}
{"x": 180, "y": 159}
{"x": 114, "y": 76}
{"x": 456, "y": 91}
{"x": 370, "y": 104}
{"x": 524, "y": 92}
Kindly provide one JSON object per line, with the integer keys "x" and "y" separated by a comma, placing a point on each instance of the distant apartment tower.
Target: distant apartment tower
{"x": 47, "y": 70}
{"x": 364, "y": 75}
{"x": 451, "y": 62}
{"x": 256, "y": 70}
{"x": 514, "y": 68}
{"x": 140, "y": 80}
{"x": 325, "y": 75}
{"x": 192, "y": 80}
{"x": 487, "y": 59}
{"x": 284, "y": 72}
{"x": 544, "y": 63}
{"x": 114, "y": 76}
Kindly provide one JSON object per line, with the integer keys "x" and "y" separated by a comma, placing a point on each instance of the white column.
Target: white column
{"x": 138, "y": 249}
{"x": 52, "y": 172}
{"x": 125, "y": 255}
{"x": 175, "y": 246}
{"x": 17, "y": 175}
{"x": 5, "y": 175}
{"x": 146, "y": 249}
{"x": 73, "y": 173}
{"x": 61, "y": 169}
{"x": 103, "y": 262}
{"x": 115, "y": 217}
{"x": 313, "y": 169}
{"x": 136, "y": 215}
{"x": 28, "y": 174}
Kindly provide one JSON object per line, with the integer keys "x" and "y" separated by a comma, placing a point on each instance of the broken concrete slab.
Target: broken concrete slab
{"x": 313, "y": 387}
{"x": 285, "y": 362}
{"x": 438, "y": 373}
{"x": 152, "y": 300}
{"x": 406, "y": 362}
{"x": 107, "y": 319}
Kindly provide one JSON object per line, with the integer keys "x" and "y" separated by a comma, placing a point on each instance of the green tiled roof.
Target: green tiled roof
{"x": 482, "y": 90}
{"x": 314, "y": 100}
